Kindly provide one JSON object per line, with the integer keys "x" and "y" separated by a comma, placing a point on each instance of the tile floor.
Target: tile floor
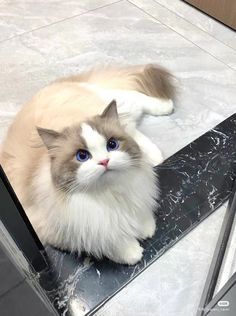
{"x": 40, "y": 41}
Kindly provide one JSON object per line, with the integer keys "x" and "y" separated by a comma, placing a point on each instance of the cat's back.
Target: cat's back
{"x": 62, "y": 104}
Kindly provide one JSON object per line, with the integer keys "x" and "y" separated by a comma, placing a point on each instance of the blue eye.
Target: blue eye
{"x": 82, "y": 155}
{"x": 112, "y": 144}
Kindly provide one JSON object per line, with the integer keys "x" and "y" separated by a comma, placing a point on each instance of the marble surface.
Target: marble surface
{"x": 22, "y": 16}
{"x": 190, "y": 31}
{"x": 204, "y": 22}
{"x": 133, "y": 33}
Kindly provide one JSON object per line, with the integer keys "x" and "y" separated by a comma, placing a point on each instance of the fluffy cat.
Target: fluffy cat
{"x": 80, "y": 167}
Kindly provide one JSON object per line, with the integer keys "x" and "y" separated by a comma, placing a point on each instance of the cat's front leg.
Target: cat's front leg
{"x": 126, "y": 252}
{"x": 148, "y": 227}
{"x": 150, "y": 150}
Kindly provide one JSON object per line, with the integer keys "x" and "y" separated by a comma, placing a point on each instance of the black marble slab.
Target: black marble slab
{"x": 194, "y": 182}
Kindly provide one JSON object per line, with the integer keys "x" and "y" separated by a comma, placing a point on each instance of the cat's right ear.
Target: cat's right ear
{"x": 110, "y": 111}
{"x": 48, "y": 136}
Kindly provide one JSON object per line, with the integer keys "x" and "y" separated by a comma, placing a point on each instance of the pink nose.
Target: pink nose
{"x": 104, "y": 162}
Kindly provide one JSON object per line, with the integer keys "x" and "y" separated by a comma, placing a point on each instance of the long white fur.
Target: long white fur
{"x": 107, "y": 222}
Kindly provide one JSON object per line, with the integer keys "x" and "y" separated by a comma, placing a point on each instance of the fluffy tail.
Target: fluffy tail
{"x": 151, "y": 80}
{"x": 155, "y": 81}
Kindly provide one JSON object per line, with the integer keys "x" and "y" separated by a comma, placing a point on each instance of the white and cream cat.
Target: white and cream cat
{"x": 82, "y": 169}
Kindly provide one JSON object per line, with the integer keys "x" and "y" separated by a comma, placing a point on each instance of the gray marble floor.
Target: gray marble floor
{"x": 41, "y": 41}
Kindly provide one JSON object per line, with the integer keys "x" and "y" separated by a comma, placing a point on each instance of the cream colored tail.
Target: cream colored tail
{"x": 151, "y": 80}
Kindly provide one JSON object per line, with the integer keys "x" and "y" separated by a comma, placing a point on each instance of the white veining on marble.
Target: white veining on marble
{"x": 66, "y": 290}
{"x": 122, "y": 33}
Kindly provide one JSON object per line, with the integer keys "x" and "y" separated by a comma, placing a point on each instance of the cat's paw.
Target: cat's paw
{"x": 160, "y": 107}
{"x": 148, "y": 229}
{"x": 132, "y": 254}
{"x": 168, "y": 107}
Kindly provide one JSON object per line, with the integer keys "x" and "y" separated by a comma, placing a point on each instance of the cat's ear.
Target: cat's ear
{"x": 48, "y": 136}
{"x": 110, "y": 111}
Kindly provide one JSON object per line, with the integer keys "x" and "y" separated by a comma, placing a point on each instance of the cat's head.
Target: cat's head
{"x": 92, "y": 154}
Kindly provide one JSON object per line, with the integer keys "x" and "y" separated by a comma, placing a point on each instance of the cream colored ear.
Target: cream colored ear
{"x": 48, "y": 136}
{"x": 110, "y": 111}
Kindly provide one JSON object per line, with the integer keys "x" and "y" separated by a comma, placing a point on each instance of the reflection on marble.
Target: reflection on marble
{"x": 194, "y": 182}
{"x": 188, "y": 30}
{"x": 202, "y": 21}
{"x": 18, "y": 17}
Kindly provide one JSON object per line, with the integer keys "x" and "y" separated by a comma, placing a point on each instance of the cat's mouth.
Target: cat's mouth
{"x": 108, "y": 171}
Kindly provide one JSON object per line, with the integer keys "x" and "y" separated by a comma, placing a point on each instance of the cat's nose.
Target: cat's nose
{"x": 104, "y": 162}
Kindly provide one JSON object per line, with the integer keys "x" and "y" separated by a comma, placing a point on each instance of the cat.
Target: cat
{"x": 81, "y": 168}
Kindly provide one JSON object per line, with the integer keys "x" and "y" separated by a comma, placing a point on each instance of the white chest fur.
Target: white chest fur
{"x": 102, "y": 221}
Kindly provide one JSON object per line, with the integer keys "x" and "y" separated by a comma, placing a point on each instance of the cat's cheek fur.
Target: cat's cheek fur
{"x": 88, "y": 174}
{"x": 92, "y": 175}
{"x": 119, "y": 160}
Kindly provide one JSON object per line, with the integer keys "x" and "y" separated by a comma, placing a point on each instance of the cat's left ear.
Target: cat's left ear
{"x": 48, "y": 136}
{"x": 110, "y": 111}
